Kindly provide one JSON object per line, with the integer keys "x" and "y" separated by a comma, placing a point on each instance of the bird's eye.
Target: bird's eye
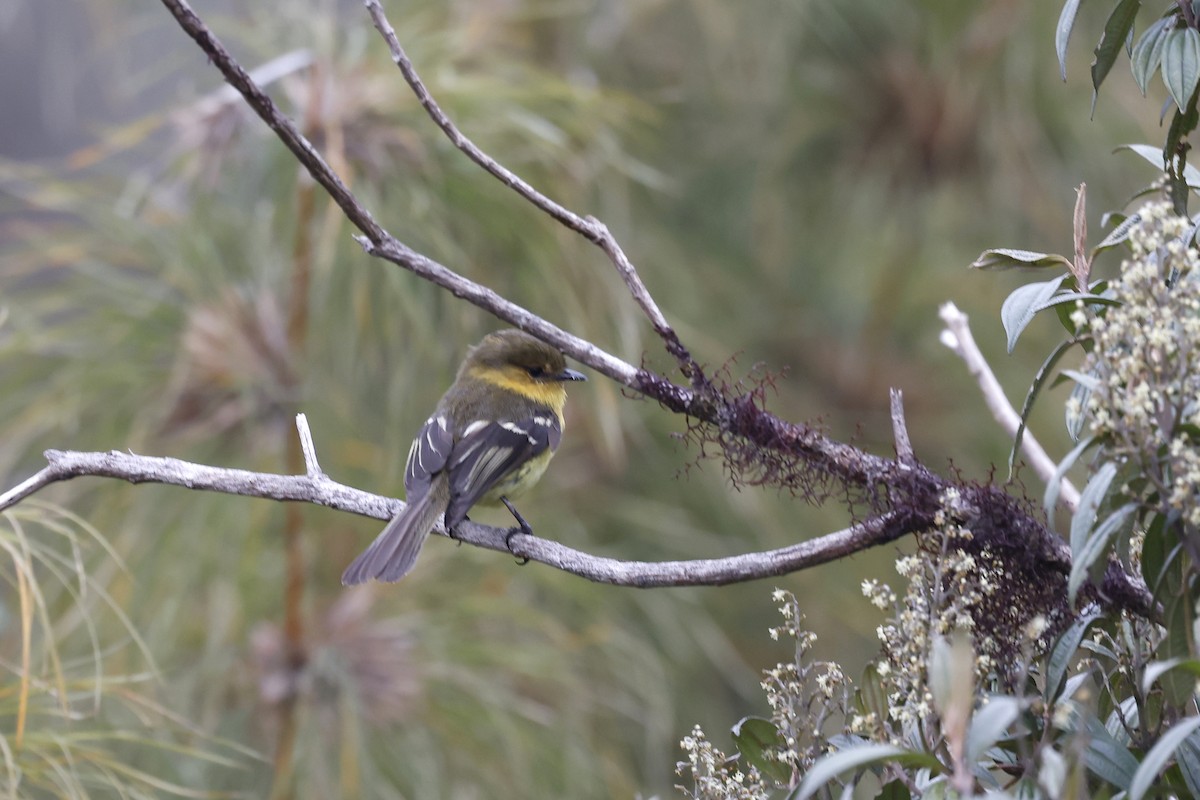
{"x": 535, "y": 372}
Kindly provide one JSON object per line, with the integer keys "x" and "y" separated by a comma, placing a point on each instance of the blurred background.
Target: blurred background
{"x": 800, "y": 182}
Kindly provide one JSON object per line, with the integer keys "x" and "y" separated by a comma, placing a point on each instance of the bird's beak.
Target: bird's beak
{"x": 571, "y": 375}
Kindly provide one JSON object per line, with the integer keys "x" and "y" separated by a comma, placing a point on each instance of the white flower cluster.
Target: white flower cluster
{"x": 1146, "y": 360}
{"x": 712, "y": 777}
{"x": 804, "y": 695}
{"x": 944, "y": 591}
{"x": 808, "y": 700}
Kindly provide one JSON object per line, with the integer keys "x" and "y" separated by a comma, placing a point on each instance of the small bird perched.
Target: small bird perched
{"x": 490, "y": 439}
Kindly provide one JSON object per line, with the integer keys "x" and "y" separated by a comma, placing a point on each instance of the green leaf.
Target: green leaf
{"x": 1116, "y": 33}
{"x": 989, "y": 724}
{"x": 1062, "y": 33}
{"x": 1008, "y": 258}
{"x": 894, "y": 790}
{"x": 1055, "y": 483}
{"x": 1089, "y": 503}
{"x": 1181, "y": 64}
{"x": 1154, "y": 553}
{"x": 1117, "y": 235}
{"x": 1107, "y": 758}
{"x": 857, "y": 758}
{"x": 1179, "y": 617}
{"x": 1155, "y": 156}
{"x": 1094, "y": 547}
{"x": 1052, "y": 775}
{"x": 1156, "y": 669}
{"x": 1063, "y": 652}
{"x": 1087, "y": 297}
{"x": 1021, "y": 306}
{"x": 1124, "y": 714}
{"x": 1075, "y": 413}
{"x": 1086, "y": 379}
{"x": 1147, "y": 53}
{"x": 870, "y": 696}
{"x": 1157, "y": 757}
{"x": 1188, "y": 757}
{"x": 1182, "y": 124}
{"x": 754, "y": 738}
{"x": 1039, "y": 380}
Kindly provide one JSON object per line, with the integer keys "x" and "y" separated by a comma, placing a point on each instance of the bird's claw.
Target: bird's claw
{"x": 522, "y": 527}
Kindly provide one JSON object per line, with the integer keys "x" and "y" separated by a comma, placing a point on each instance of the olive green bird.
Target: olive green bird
{"x": 488, "y": 442}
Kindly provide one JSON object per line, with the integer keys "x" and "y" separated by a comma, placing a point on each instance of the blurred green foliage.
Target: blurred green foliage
{"x": 799, "y": 183}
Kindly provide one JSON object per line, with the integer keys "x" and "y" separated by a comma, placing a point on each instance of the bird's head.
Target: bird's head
{"x": 523, "y": 364}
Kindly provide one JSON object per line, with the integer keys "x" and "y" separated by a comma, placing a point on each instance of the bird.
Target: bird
{"x": 487, "y": 442}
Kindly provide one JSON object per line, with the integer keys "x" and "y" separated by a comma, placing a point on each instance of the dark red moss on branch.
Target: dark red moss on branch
{"x": 728, "y": 420}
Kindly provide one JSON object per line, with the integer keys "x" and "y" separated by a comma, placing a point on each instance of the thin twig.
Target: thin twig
{"x": 904, "y": 448}
{"x": 321, "y": 490}
{"x": 957, "y": 336}
{"x": 764, "y": 429}
{"x": 311, "y": 466}
{"x": 376, "y": 240}
{"x": 736, "y": 420}
{"x": 589, "y": 227}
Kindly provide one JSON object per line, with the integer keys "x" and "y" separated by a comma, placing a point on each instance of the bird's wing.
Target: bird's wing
{"x": 428, "y": 455}
{"x": 489, "y": 452}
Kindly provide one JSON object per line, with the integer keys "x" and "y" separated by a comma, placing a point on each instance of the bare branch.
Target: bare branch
{"x": 958, "y": 338}
{"x": 318, "y": 489}
{"x": 701, "y": 401}
{"x": 311, "y": 466}
{"x": 900, "y": 497}
{"x": 589, "y": 227}
{"x": 375, "y": 239}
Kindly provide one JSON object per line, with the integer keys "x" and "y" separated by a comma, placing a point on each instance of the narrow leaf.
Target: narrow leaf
{"x": 1063, "y": 653}
{"x": 1156, "y": 759}
{"x": 1020, "y": 306}
{"x": 1075, "y": 413}
{"x": 1039, "y": 380}
{"x": 989, "y": 724}
{"x": 1108, "y": 758}
{"x": 1179, "y": 619}
{"x": 1155, "y": 156}
{"x": 1085, "y": 379}
{"x": 1095, "y": 547}
{"x": 1117, "y": 235}
{"x": 1062, "y": 33}
{"x": 1181, "y": 64}
{"x": 1188, "y": 757}
{"x": 1154, "y": 553}
{"x": 856, "y": 758}
{"x": 1052, "y": 775}
{"x": 1008, "y": 258}
{"x": 1087, "y": 297}
{"x": 1116, "y": 33}
{"x": 1089, "y": 502}
{"x": 1055, "y": 482}
{"x": 1157, "y": 669}
{"x": 1147, "y": 53}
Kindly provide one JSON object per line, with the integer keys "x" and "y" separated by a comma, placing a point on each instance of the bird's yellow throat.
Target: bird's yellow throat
{"x": 516, "y": 380}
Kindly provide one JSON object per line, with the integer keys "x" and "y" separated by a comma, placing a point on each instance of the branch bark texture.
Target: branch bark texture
{"x": 317, "y": 488}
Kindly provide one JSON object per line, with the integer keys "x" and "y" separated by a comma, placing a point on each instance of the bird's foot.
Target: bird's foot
{"x": 453, "y": 532}
{"x": 522, "y": 527}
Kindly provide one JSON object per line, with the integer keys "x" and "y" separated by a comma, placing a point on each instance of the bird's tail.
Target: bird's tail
{"x": 393, "y": 553}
